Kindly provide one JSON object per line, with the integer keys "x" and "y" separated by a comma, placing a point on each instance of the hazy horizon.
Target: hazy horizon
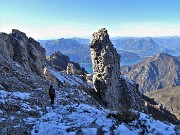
{"x": 56, "y": 19}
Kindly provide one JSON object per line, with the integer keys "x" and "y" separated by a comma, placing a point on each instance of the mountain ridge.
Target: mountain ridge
{"x": 154, "y": 72}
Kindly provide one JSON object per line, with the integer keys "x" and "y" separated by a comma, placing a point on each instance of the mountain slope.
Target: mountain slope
{"x": 157, "y": 72}
{"x": 23, "y": 50}
{"x": 169, "y": 98}
{"x": 168, "y": 42}
{"x": 70, "y": 115}
{"x": 128, "y": 56}
{"x": 23, "y": 88}
{"x": 144, "y": 47}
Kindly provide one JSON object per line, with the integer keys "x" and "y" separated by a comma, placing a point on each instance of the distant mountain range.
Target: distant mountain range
{"x": 79, "y": 52}
{"x": 76, "y": 51}
{"x": 157, "y": 72}
{"x": 131, "y": 49}
{"x": 144, "y": 47}
{"x": 172, "y": 43}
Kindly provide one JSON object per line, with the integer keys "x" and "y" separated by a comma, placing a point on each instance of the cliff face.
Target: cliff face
{"x": 26, "y": 51}
{"x": 116, "y": 92}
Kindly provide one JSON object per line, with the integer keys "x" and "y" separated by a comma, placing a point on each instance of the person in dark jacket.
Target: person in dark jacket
{"x": 52, "y": 94}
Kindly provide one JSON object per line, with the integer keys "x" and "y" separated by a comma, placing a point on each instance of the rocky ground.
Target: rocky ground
{"x": 75, "y": 112}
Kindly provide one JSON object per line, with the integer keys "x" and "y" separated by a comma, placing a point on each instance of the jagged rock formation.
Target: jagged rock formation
{"x": 60, "y": 62}
{"x": 116, "y": 92}
{"x": 51, "y": 78}
{"x": 29, "y": 53}
{"x": 20, "y": 88}
{"x": 70, "y": 69}
{"x": 26, "y": 51}
{"x": 157, "y": 72}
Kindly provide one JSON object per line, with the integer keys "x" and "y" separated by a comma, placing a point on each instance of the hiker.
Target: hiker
{"x": 52, "y": 94}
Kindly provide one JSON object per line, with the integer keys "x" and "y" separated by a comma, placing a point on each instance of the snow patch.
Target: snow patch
{"x": 127, "y": 79}
{"x": 20, "y": 95}
{"x": 65, "y": 78}
{"x": 4, "y": 94}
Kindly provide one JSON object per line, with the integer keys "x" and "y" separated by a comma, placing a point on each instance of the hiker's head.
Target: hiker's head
{"x": 51, "y": 87}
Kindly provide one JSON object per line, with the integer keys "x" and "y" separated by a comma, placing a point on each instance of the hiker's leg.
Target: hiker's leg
{"x": 51, "y": 100}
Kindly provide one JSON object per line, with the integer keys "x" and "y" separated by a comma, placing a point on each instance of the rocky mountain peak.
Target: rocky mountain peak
{"x": 157, "y": 72}
{"x": 101, "y": 35}
{"x": 116, "y": 92}
{"x": 18, "y": 34}
{"x": 26, "y": 51}
{"x": 57, "y": 54}
{"x": 163, "y": 55}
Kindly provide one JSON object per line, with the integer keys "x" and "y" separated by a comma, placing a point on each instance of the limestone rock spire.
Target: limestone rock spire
{"x": 115, "y": 91}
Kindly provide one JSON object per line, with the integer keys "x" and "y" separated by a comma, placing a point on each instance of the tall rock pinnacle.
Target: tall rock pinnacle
{"x": 115, "y": 91}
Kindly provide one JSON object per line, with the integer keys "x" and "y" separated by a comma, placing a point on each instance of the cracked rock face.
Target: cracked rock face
{"x": 115, "y": 91}
{"x": 26, "y": 51}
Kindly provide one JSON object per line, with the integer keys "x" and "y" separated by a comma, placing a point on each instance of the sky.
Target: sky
{"x": 51, "y": 19}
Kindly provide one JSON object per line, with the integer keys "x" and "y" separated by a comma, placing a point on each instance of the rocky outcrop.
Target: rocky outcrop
{"x": 157, "y": 72}
{"x": 60, "y": 62}
{"x": 26, "y": 51}
{"x": 51, "y": 78}
{"x": 70, "y": 69}
{"x": 115, "y": 91}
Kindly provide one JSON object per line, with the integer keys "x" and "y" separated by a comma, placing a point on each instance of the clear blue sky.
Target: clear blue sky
{"x": 45, "y": 19}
